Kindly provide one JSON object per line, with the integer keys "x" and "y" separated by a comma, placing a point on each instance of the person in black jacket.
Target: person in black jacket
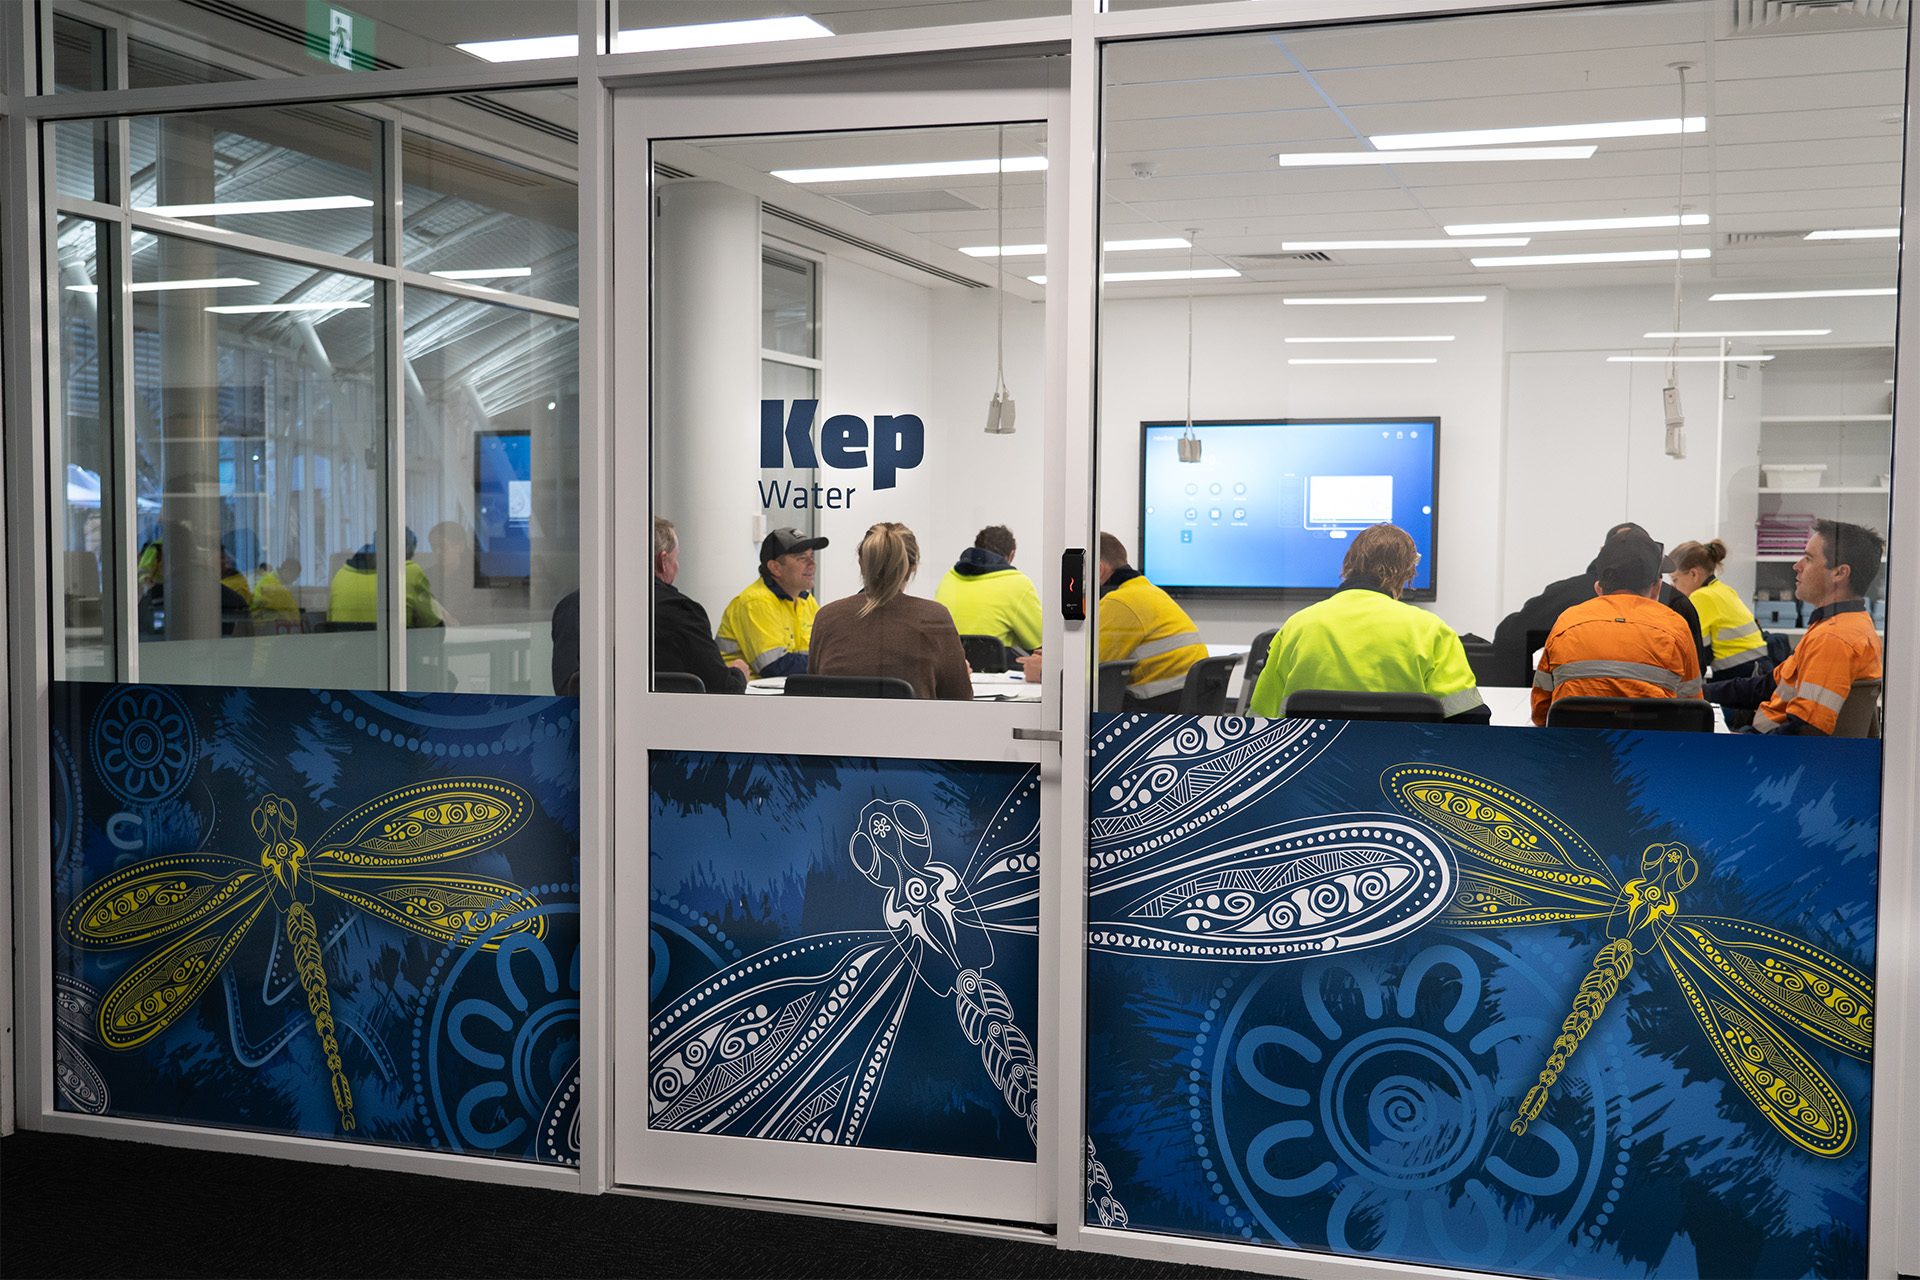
{"x": 682, "y": 636}
{"x": 1513, "y": 656}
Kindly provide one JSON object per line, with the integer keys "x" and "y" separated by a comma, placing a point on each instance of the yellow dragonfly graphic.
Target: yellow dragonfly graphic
{"x": 202, "y": 904}
{"x": 1754, "y": 991}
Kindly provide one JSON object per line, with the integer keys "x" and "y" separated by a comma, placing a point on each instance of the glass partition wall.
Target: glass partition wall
{"x": 266, "y": 383}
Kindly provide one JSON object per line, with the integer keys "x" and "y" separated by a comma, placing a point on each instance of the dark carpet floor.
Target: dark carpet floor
{"x": 72, "y": 1206}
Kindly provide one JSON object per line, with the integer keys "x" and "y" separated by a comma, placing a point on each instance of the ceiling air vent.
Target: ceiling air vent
{"x": 1271, "y": 261}
{"x": 1758, "y": 239}
{"x": 889, "y": 202}
{"x": 1773, "y": 17}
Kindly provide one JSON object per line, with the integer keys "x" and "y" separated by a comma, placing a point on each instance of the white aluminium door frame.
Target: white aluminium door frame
{"x": 946, "y": 93}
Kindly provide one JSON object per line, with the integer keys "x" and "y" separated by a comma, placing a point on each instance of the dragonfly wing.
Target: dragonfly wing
{"x": 445, "y": 908}
{"x": 164, "y": 986}
{"x": 1791, "y": 1092}
{"x": 1523, "y": 865}
{"x": 429, "y": 822}
{"x": 1797, "y": 984}
{"x": 160, "y": 897}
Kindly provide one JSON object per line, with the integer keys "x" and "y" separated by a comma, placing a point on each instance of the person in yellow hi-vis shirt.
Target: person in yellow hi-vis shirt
{"x": 1364, "y": 638}
{"x": 1140, "y": 621}
{"x": 769, "y": 625}
{"x": 274, "y": 608}
{"x": 1727, "y": 626}
{"x": 352, "y": 602}
{"x": 987, "y": 596}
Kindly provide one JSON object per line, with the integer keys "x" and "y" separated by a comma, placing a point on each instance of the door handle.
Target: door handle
{"x": 1037, "y": 735}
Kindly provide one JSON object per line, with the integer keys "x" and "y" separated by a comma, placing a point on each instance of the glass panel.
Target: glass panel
{"x": 79, "y": 56}
{"x": 80, "y": 158}
{"x": 1444, "y": 346}
{"x": 303, "y": 175}
{"x": 772, "y": 494}
{"x": 84, "y": 459}
{"x": 258, "y": 450}
{"x": 149, "y": 66}
{"x": 493, "y": 482}
{"x": 490, "y": 223}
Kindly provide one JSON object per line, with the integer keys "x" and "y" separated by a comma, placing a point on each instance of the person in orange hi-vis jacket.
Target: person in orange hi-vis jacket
{"x": 1805, "y": 693}
{"x": 1623, "y": 643}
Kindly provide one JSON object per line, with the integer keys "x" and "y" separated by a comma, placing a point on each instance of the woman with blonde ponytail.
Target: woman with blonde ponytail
{"x": 885, "y": 632}
{"x": 1727, "y": 625}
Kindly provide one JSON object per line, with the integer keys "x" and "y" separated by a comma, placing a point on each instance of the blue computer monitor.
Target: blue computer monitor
{"x": 1271, "y": 507}
{"x": 503, "y": 506}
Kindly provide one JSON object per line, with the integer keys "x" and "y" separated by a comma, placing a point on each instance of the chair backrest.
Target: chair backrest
{"x": 676, "y": 682}
{"x": 1860, "y": 714}
{"x": 812, "y": 686}
{"x": 1682, "y": 715}
{"x": 1256, "y": 663}
{"x": 1483, "y": 658}
{"x": 1359, "y": 704}
{"x": 1205, "y": 692}
{"x": 1110, "y": 693}
{"x": 985, "y": 653}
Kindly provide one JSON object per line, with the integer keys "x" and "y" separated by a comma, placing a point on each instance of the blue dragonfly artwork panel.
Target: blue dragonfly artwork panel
{"x": 1554, "y": 1002}
{"x": 845, "y": 951}
{"x": 330, "y": 914}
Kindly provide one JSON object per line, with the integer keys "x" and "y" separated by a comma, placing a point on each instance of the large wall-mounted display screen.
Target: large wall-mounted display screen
{"x": 503, "y": 496}
{"x": 1271, "y": 506}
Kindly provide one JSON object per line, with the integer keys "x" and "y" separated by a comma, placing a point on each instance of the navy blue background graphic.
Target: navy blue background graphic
{"x": 804, "y": 989}
{"x": 1359, "y": 1101}
{"x": 447, "y": 1045}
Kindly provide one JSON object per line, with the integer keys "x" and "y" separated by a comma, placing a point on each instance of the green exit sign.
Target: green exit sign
{"x": 339, "y": 36}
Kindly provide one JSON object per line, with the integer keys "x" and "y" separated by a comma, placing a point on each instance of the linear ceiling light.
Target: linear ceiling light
{"x": 1743, "y": 333}
{"x": 1381, "y": 360}
{"x": 1686, "y": 359}
{"x": 1034, "y": 250}
{"x": 1301, "y": 159}
{"x": 1382, "y": 302}
{"x": 1576, "y": 224}
{"x": 928, "y": 169}
{"x": 1123, "y": 277}
{"x": 1858, "y": 233}
{"x": 1570, "y": 259}
{"x": 1427, "y": 337}
{"x": 264, "y": 308}
{"x": 1494, "y": 242}
{"x": 1540, "y": 133}
{"x": 227, "y": 208}
{"x": 1803, "y": 293}
{"x": 701, "y": 35}
{"x": 163, "y": 286}
{"x": 485, "y": 273}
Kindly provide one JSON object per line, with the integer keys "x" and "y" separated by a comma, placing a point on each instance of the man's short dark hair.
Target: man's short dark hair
{"x": 996, "y": 538}
{"x": 1629, "y": 562}
{"x": 1853, "y": 545}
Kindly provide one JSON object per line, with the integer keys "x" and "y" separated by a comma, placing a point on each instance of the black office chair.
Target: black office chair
{"x": 1205, "y": 692}
{"x": 1110, "y": 688}
{"x": 985, "y": 654}
{"x": 1484, "y": 659}
{"x": 1673, "y": 715}
{"x": 1359, "y": 704}
{"x": 1859, "y": 715}
{"x": 812, "y": 686}
{"x": 1256, "y": 663}
{"x": 678, "y": 682}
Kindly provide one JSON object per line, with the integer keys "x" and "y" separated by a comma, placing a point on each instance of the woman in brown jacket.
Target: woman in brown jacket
{"x": 884, "y": 632}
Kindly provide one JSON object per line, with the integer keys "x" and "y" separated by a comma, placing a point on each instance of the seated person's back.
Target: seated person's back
{"x": 1139, "y": 621}
{"x": 884, "y": 632}
{"x": 1623, "y": 643}
{"x": 988, "y": 596}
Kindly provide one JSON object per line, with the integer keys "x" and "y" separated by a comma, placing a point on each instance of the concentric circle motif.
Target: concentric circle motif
{"x": 144, "y": 744}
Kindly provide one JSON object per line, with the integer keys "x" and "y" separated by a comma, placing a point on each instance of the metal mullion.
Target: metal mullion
{"x": 390, "y": 581}
{"x": 56, "y": 401}
{"x": 318, "y": 259}
{"x": 410, "y": 82}
{"x": 124, "y": 456}
{"x": 799, "y": 362}
{"x": 493, "y": 297}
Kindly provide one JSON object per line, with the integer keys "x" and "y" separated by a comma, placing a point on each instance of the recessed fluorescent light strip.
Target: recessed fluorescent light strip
{"x": 265, "y": 308}
{"x": 1686, "y": 359}
{"x": 1539, "y": 133}
{"x": 1495, "y": 242}
{"x": 1428, "y": 337}
{"x": 1123, "y": 277}
{"x": 1380, "y": 360}
{"x": 700, "y": 35}
{"x": 231, "y": 208}
{"x": 928, "y": 169}
{"x": 1742, "y": 333}
{"x": 1573, "y": 259}
{"x": 1577, "y": 224}
{"x": 1035, "y": 250}
{"x": 163, "y": 286}
{"x": 1305, "y": 159}
{"x": 485, "y": 273}
{"x": 1803, "y": 293}
{"x": 1858, "y": 233}
{"x": 1382, "y": 302}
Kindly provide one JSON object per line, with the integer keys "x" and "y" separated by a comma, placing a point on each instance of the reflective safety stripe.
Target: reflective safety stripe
{"x": 1611, "y": 669}
{"x": 1465, "y": 700}
{"x": 1723, "y": 665}
{"x": 1689, "y": 688}
{"x": 1766, "y": 723}
{"x": 1737, "y": 633}
{"x": 1543, "y": 680}
{"x": 1166, "y": 644}
{"x": 1824, "y": 696}
{"x": 1786, "y": 692}
{"x": 729, "y": 647}
{"x": 1154, "y": 688}
{"x": 772, "y": 655}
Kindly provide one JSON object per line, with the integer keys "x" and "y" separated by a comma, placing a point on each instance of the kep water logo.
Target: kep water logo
{"x": 898, "y": 442}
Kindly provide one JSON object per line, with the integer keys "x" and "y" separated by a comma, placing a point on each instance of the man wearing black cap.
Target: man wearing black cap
{"x": 1512, "y": 651}
{"x": 1621, "y": 643}
{"x": 770, "y": 624}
